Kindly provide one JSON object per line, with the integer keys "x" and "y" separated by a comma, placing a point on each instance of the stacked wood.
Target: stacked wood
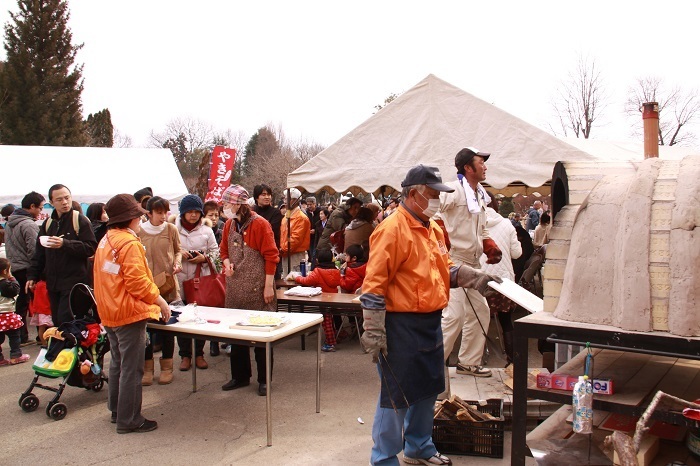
{"x": 456, "y": 409}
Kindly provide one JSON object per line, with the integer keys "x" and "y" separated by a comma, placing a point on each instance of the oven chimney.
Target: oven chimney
{"x": 650, "y": 115}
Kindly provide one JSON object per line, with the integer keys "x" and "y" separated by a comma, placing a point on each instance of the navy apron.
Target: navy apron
{"x": 414, "y": 367}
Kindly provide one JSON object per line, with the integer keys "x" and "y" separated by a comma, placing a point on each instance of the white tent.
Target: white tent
{"x": 429, "y": 124}
{"x": 93, "y": 174}
{"x": 624, "y": 151}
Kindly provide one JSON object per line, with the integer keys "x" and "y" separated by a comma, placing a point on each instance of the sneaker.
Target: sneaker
{"x": 437, "y": 458}
{"x": 328, "y": 348}
{"x": 4, "y": 362}
{"x": 19, "y": 360}
{"x": 476, "y": 371}
{"x": 147, "y": 426}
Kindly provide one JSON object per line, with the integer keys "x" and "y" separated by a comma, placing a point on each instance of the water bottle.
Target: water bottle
{"x": 582, "y": 406}
{"x": 302, "y": 268}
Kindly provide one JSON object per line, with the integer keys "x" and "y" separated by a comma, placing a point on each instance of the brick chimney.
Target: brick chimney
{"x": 650, "y": 115}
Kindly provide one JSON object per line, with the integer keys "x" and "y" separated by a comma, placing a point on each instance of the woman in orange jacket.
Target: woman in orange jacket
{"x": 126, "y": 298}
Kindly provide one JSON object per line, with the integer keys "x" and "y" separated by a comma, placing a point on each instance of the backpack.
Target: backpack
{"x": 76, "y": 222}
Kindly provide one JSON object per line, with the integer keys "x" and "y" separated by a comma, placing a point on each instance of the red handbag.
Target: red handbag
{"x": 207, "y": 290}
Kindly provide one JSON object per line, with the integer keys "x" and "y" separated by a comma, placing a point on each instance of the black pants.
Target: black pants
{"x": 15, "y": 350}
{"x": 185, "y": 345}
{"x": 22, "y": 303}
{"x": 60, "y": 307}
{"x": 168, "y": 346}
{"x": 240, "y": 363}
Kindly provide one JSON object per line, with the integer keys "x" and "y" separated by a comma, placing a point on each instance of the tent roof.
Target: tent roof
{"x": 93, "y": 174}
{"x": 429, "y": 124}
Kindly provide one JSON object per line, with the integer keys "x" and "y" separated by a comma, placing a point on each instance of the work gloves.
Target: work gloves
{"x": 493, "y": 253}
{"x": 374, "y": 337}
{"x": 468, "y": 277}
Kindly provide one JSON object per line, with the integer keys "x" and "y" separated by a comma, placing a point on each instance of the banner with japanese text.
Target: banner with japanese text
{"x": 220, "y": 170}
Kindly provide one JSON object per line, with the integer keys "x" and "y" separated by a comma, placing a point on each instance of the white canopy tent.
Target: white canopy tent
{"x": 93, "y": 174}
{"x": 429, "y": 124}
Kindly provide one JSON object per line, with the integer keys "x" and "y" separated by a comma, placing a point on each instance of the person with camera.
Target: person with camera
{"x": 197, "y": 241}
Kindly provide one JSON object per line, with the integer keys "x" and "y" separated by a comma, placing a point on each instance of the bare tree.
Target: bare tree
{"x": 194, "y": 134}
{"x": 580, "y": 99}
{"x": 387, "y": 101}
{"x": 271, "y": 156}
{"x": 122, "y": 140}
{"x": 678, "y": 109}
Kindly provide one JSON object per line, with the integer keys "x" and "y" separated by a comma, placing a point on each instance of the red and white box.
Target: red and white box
{"x": 544, "y": 379}
{"x": 560, "y": 381}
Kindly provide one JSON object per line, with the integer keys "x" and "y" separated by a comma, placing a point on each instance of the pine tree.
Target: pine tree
{"x": 99, "y": 128}
{"x": 39, "y": 83}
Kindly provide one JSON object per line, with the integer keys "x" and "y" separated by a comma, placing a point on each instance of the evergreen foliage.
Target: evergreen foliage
{"x": 99, "y": 128}
{"x": 40, "y": 86}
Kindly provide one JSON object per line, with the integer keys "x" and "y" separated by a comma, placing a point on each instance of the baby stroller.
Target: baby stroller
{"x": 75, "y": 353}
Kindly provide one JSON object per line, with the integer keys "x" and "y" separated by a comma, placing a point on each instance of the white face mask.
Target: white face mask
{"x": 229, "y": 213}
{"x": 432, "y": 207}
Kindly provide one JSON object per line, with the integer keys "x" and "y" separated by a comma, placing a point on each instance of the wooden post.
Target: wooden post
{"x": 650, "y": 115}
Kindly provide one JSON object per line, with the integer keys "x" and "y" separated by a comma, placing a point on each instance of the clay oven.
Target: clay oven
{"x": 625, "y": 245}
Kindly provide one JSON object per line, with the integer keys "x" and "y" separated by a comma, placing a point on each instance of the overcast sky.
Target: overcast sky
{"x": 317, "y": 68}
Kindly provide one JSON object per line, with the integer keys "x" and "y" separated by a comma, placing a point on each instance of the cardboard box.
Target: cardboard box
{"x": 544, "y": 379}
{"x": 571, "y": 382}
{"x": 603, "y": 386}
{"x": 560, "y": 381}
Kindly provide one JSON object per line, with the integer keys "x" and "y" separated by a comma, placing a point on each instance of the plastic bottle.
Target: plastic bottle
{"x": 582, "y": 405}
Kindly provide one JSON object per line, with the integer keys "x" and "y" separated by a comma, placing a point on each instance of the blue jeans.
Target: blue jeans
{"x": 416, "y": 422}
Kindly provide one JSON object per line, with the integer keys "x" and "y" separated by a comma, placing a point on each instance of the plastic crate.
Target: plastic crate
{"x": 472, "y": 438}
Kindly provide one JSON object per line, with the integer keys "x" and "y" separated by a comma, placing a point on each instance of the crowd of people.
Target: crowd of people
{"x": 420, "y": 265}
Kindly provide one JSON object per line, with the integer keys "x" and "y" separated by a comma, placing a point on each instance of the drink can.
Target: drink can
{"x": 302, "y": 268}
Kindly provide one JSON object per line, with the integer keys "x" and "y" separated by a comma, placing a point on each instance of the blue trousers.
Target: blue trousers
{"x": 408, "y": 429}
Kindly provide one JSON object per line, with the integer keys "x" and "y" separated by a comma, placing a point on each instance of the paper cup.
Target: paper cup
{"x": 44, "y": 240}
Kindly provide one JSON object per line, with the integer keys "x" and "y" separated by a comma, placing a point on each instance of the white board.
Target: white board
{"x": 520, "y": 295}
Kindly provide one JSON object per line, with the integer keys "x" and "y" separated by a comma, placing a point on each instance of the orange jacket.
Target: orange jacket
{"x": 129, "y": 295}
{"x": 301, "y": 233}
{"x": 327, "y": 279}
{"x": 409, "y": 265}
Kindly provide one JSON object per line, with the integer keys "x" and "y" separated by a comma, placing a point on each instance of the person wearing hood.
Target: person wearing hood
{"x": 360, "y": 228}
{"x": 503, "y": 233}
{"x": 21, "y": 232}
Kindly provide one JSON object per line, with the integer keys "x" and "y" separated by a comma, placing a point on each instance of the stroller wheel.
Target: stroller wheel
{"x": 29, "y": 402}
{"x": 98, "y": 386}
{"x": 58, "y": 411}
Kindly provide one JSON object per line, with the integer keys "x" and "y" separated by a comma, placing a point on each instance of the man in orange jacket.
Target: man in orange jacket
{"x": 408, "y": 280}
{"x": 294, "y": 234}
{"x": 126, "y": 298}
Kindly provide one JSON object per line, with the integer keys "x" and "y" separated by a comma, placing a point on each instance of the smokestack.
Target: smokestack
{"x": 650, "y": 115}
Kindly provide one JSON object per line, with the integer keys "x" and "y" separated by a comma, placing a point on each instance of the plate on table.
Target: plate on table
{"x": 261, "y": 322}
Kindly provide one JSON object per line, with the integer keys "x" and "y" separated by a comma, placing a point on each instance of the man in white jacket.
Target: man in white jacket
{"x": 464, "y": 216}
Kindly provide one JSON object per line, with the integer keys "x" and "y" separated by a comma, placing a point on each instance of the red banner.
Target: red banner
{"x": 220, "y": 170}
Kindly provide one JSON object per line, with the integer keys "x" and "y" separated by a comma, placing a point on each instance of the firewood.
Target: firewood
{"x": 465, "y": 415}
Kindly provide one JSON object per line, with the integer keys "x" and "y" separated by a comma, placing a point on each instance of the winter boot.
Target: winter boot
{"x": 147, "y": 373}
{"x": 166, "y": 371}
